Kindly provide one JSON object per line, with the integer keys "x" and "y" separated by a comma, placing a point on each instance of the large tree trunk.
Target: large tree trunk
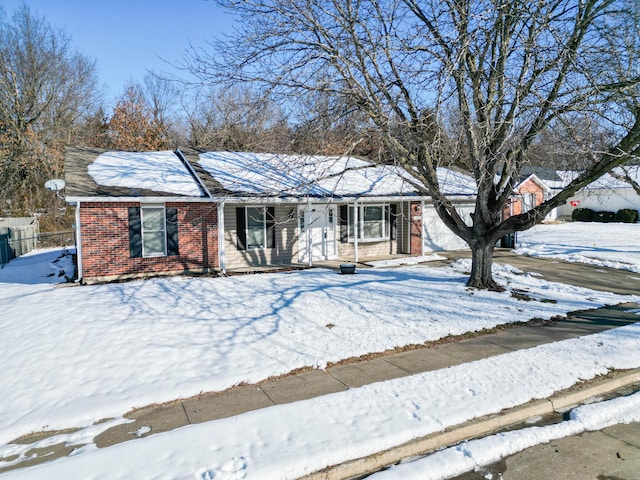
{"x": 481, "y": 263}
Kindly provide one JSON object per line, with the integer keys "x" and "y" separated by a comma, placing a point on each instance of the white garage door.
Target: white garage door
{"x": 436, "y": 235}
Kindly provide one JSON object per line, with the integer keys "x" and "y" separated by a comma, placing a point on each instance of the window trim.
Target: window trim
{"x": 264, "y": 226}
{"x": 529, "y": 200}
{"x": 163, "y": 231}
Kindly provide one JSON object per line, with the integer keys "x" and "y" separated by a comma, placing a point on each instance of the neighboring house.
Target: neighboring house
{"x": 529, "y": 193}
{"x": 607, "y": 194}
{"x": 156, "y": 213}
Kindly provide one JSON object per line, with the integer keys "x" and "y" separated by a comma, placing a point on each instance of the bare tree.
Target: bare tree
{"x": 561, "y": 148}
{"x": 235, "y": 119}
{"x": 45, "y": 88}
{"x": 625, "y": 176}
{"x": 163, "y": 95}
{"x": 93, "y": 130}
{"x": 319, "y": 130}
{"x": 506, "y": 71}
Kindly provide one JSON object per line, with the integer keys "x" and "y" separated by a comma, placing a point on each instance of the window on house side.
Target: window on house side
{"x": 371, "y": 223}
{"x": 154, "y": 235}
{"x": 256, "y": 226}
{"x": 528, "y": 201}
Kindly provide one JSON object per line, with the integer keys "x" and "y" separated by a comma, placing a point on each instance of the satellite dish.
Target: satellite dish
{"x": 56, "y": 184}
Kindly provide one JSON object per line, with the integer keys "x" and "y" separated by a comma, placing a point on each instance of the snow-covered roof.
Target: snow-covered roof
{"x": 115, "y": 173}
{"x": 535, "y": 179}
{"x": 605, "y": 182}
{"x": 302, "y": 175}
{"x": 94, "y": 173}
{"x": 453, "y": 182}
{"x": 157, "y": 171}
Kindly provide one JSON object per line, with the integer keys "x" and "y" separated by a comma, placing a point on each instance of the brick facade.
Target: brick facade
{"x": 514, "y": 205}
{"x": 104, "y": 234}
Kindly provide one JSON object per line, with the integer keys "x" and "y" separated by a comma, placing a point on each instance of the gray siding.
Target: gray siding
{"x": 402, "y": 224}
{"x": 286, "y": 246}
{"x": 367, "y": 250}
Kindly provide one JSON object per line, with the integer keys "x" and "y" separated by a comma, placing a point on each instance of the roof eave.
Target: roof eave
{"x": 140, "y": 199}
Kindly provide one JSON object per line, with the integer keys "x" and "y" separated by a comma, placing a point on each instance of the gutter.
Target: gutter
{"x": 257, "y": 200}
{"x": 139, "y": 199}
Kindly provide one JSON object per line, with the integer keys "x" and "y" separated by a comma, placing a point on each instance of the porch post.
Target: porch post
{"x": 422, "y": 226}
{"x": 307, "y": 226}
{"x": 221, "y": 253}
{"x": 355, "y": 231}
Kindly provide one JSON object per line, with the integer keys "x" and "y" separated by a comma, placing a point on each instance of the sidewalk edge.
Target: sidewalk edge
{"x": 474, "y": 428}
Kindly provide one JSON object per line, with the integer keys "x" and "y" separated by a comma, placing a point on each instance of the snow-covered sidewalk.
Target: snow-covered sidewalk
{"x": 471, "y": 455}
{"x": 288, "y": 441}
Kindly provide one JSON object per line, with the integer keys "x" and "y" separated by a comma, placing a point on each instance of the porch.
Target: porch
{"x": 329, "y": 264}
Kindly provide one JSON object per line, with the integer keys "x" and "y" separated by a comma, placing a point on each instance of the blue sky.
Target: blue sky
{"x": 129, "y": 37}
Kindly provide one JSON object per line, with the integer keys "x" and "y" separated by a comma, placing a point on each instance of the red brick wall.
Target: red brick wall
{"x": 512, "y": 207}
{"x": 532, "y": 187}
{"x": 104, "y": 233}
{"x": 514, "y": 204}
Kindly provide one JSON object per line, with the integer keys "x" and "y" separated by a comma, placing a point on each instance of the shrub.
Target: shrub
{"x": 582, "y": 215}
{"x": 626, "y": 215}
{"x": 603, "y": 217}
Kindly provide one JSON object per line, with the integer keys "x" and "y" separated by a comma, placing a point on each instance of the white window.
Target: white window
{"x": 154, "y": 234}
{"x": 371, "y": 223}
{"x": 256, "y": 227}
{"x": 528, "y": 201}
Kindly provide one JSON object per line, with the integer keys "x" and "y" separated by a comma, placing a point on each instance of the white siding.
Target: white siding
{"x": 602, "y": 200}
{"x": 436, "y": 236}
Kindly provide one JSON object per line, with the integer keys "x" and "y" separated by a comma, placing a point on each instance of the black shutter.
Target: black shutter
{"x": 172, "y": 231}
{"x": 271, "y": 227}
{"x": 241, "y": 228}
{"x": 393, "y": 214}
{"x": 344, "y": 223}
{"x": 135, "y": 233}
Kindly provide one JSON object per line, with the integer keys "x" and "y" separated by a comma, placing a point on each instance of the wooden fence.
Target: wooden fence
{"x": 17, "y": 237}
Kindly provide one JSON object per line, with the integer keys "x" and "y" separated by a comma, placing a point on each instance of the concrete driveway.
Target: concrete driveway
{"x": 554, "y": 270}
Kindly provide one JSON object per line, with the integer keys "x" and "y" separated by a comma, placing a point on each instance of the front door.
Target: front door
{"x": 317, "y": 232}
{"x": 415, "y": 247}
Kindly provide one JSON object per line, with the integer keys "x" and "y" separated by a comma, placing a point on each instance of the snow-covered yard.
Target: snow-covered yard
{"x": 614, "y": 245}
{"x": 72, "y": 356}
